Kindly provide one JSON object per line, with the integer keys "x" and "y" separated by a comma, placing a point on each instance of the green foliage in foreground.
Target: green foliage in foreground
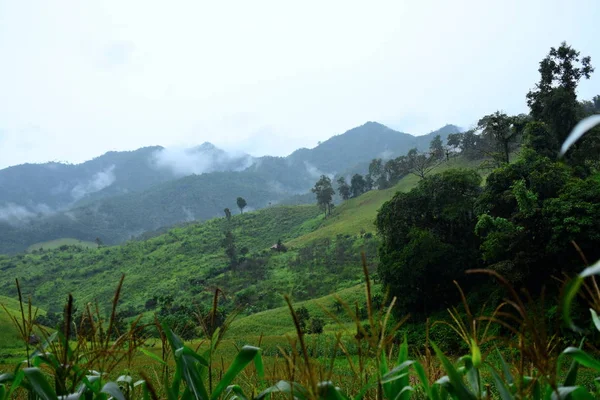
{"x": 534, "y": 370}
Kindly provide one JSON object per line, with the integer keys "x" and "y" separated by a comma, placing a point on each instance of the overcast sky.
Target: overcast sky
{"x": 79, "y": 78}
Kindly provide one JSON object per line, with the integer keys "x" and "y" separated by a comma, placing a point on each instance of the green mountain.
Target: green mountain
{"x": 145, "y": 195}
{"x": 188, "y": 261}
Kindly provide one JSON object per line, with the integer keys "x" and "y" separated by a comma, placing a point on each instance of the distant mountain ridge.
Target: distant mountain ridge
{"x": 121, "y": 194}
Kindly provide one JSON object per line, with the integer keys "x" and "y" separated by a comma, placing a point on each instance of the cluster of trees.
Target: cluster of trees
{"x": 384, "y": 174}
{"x": 525, "y": 220}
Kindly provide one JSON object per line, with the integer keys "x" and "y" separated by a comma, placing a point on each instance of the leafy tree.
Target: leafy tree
{"x": 227, "y": 214}
{"x": 316, "y": 325}
{"x": 241, "y": 203}
{"x": 501, "y": 134}
{"x": 554, "y": 99}
{"x": 436, "y": 147}
{"x": 454, "y": 140}
{"x": 324, "y": 192}
{"x": 228, "y": 244}
{"x": 343, "y": 188}
{"x": 421, "y": 164}
{"x": 358, "y": 185}
{"x": 539, "y": 139}
{"x": 428, "y": 239}
{"x": 376, "y": 172}
{"x": 303, "y": 317}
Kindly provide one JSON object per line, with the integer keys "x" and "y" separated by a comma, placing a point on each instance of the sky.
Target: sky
{"x": 79, "y": 78}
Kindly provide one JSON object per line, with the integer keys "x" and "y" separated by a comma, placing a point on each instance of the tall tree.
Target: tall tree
{"x": 454, "y": 140}
{"x": 428, "y": 239}
{"x": 241, "y": 203}
{"x": 436, "y": 147}
{"x": 357, "y": 185}
{"x": 554, "y": 99}
{"x": 343, "y": 188}
{"x": 501, "y": 133}
{"x": 421, "y": 164}
{"x": 324, "y": 193}
{"x": 376, "y": 173}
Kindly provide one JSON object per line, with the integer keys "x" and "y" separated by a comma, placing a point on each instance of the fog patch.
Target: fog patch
{"x": 16, "y": 215}
{"x": 99, "y": 181}
{"x": 386, "y": 155}
{"x": 314, "y": 172}
{"x": 199, "y": 160}
{"x": 189, "y": 215}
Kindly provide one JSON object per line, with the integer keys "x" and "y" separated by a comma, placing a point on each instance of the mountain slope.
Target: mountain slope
{"x": 188, "y": 262}
{"x": 150, "y": 202}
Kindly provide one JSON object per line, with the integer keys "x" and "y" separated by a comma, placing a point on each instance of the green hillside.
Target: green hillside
{"x": 54, "y": 244}
{"x": 278, "y": 321}
{"x": 9, "y": 333}
{"x": 138, "y": 196}
{"x": 358, "y": 214}
{"x": 189, "y": 261}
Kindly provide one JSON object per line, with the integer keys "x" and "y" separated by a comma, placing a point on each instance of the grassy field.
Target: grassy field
{"x": 9, "y": 334}
{"x": 357, "y": 215}
{"x": 56, "y": 243}
{"x": 278, "y": 321}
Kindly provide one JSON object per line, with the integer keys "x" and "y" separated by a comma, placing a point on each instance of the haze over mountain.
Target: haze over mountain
{"x": 121, "y": 194}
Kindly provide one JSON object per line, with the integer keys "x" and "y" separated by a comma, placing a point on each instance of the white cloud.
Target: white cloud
{"x": 15, "y": 214}
{"x": 99, "y": 181}
{"x": 186, "y": 161}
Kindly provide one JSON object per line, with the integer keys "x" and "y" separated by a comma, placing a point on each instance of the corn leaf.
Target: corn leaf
{"x": 583, "y": 358}
{"x": 243, "y": 358}
{"x": 39, "y": 384}
{"x": 112, "y": 389}
{"x": 456, "y": 383}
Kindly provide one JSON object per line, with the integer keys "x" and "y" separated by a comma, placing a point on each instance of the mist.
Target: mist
{"x": 99, "y": 181}
{"x": 16, "y": 215}
{"x": 199, "y": 160}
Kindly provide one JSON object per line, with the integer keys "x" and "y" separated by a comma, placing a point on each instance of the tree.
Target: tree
{"x": 357, "y": 185}
{"x": 421, "y": 164}
{"x": 230, "y": 251}
{"x": 303, "y": 317}
{"x": 241, "y": 203}
{"x": 376, "y": 173}
{"x": 454, "y": 140}
{"x": 501, "y": 133}
{"x": 324, "y": 193}
{"x": 436, "y": 147}
{"x": 428, "y": 239}
{"x": 227, "y": 214}
{"x": 554, "y": 99}
{"x": 343, "y": 188}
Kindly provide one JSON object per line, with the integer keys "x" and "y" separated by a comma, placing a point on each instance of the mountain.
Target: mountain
{"x": 31, "y": 189}
{"x": 124, "y": 194}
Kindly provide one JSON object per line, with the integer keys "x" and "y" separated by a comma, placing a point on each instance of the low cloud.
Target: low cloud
{"x": 198, "y": 160}
{"x": 314, "y": 172}
{"x": 386, "y": 155}
{"x": 99, "y": 181}
{"x": 189, "y": 215}
{"x": 16, "y": 215}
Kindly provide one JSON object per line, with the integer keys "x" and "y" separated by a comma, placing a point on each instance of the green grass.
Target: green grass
{"x": 278, "y": 321}
{"x": 56, "y": 243}
{"x": 9, "y": 334}
{"x": 357, "y": 215}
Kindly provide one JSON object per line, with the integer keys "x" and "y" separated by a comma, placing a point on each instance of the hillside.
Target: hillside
{"x": 188, "y": 261}
{"x": 129, "y": 193}
{"x": 9, "y": 334}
